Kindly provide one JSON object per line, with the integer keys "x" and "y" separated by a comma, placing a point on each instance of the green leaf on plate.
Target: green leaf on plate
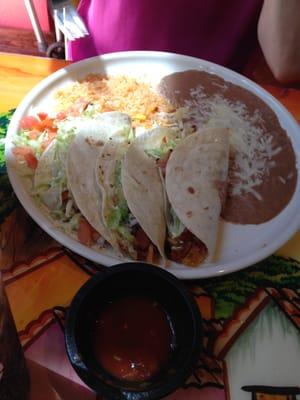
{"x": 4, "y": 122}
{"x": 8, "y": 199}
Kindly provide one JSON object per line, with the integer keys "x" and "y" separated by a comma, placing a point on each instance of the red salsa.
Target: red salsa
{"x": 132, "y": 338}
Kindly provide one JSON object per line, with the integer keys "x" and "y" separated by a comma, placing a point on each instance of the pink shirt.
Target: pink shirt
{"x": 222, "y": 31}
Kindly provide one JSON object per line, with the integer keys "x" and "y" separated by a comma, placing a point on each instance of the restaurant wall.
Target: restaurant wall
{"x": 13, "y": 14}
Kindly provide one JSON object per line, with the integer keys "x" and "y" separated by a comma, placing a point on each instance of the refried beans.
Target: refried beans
{"x": 265, "y": 159}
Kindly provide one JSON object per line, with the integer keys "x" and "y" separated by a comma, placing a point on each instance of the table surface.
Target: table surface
{"x": 259, "y": 305}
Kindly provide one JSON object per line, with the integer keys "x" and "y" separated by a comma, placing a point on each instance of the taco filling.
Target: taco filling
{"x": 194, "y": 171}
{"x": 181, "y": 246}
{"x": 129, "y": 234}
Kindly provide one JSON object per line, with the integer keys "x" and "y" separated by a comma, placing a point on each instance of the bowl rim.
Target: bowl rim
{"x": 89, "y": 377}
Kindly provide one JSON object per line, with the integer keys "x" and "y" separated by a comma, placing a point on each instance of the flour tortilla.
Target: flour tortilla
{"x": 153, "y": 138}
{"x": 46, "y": 170}
{"x": 81, "y": 161}
{"x": 111, "y": 125}
{"x": 196, "y": 170}
{"x": 144, "y": 192}
{"x": 50, "y": 179}
{"x": 105, "y": 174}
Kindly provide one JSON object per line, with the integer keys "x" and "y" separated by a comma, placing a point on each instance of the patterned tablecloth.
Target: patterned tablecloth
{"x": 251, "y": 319}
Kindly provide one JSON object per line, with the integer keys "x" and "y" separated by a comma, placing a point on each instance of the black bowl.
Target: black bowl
{"x": 170, "y": 293}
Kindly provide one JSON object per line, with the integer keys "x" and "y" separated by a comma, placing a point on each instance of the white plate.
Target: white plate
{"x": 241, "y": 246}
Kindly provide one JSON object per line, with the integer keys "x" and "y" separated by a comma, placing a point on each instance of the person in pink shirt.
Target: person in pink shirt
{"x": 221, "y": 31}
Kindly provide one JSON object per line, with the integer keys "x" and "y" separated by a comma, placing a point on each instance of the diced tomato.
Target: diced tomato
{"x": 42, "y": 115}
{"x": 26, "y": 153}
{"x": 47, "y": 123}
{"x": 31, "y": 160}
{"x": 85, "y": 232}
{"x": 33, "y": 123}
{"x": 29, "y": 122}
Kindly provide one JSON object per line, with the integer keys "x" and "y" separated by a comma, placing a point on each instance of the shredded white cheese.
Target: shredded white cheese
{"x": 252, "y": 146}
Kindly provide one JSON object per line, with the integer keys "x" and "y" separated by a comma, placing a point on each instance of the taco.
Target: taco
{"x": 194, "y": 169}
{"x": 196, "y": 181}
{"x": 47, "y": 168}
{"x": 82, "y": 157}
{"x": 133, "y": 198}
{"x": 50, "y": 177}
{"x": 145, "y": 195}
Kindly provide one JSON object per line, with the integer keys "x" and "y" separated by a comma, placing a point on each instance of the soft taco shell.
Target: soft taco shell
{"x": 81, "y": 162}
{"x": 106, "y": 165}
{"x": 82, "y": 158}
{"x": 144, "y": 192}
{"x": 196, "y": 173}
{"x": 44, "y": 173}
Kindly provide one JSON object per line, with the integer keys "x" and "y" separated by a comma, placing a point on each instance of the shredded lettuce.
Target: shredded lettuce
{"x": 131, "y": 135}
{"x": 51, "y": 183}
{"x": 125, "y": 233}
{"x": 90, "y": 110}
{"x": 52, "y": 180}
{"x": 23, "y": 140}
{"x": 74, "y": 221}
{"x": 57, "y": 214}
{"x": 155, "y": 153}
{"x": 117, "y": 175}
{"x": 118, "y": 220}
{"x": 164, "y": 148}
{"x": 175, "y": 226}
{"x": 120, "y": 217}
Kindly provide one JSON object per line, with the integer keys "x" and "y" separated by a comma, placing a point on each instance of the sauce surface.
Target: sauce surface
{"x": 132, "y": 338}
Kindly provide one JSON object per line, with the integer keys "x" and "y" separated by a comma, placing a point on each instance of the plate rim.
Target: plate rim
{"x": 205, "y": 271}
